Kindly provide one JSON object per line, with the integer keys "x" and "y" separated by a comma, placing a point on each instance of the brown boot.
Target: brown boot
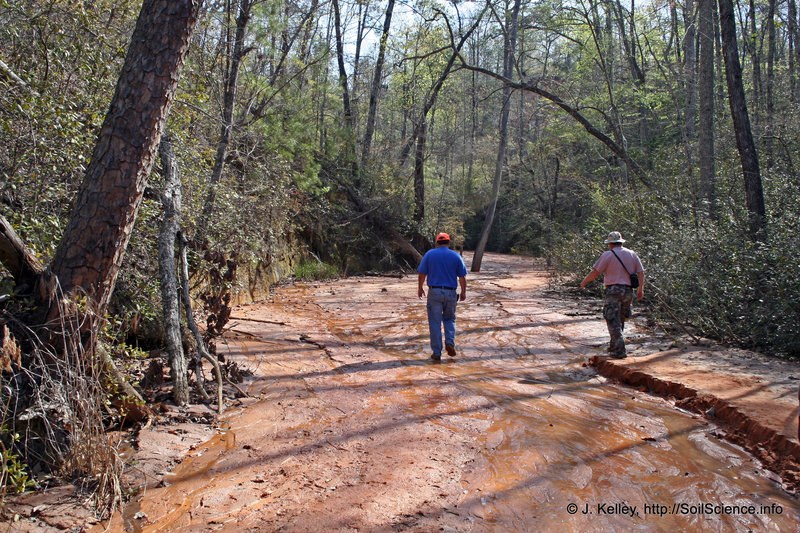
{"x": 450, "y": 349}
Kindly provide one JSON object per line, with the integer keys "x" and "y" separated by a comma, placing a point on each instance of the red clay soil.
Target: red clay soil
{"x": 350, "y": 427}
{"x": 754, "y": 397}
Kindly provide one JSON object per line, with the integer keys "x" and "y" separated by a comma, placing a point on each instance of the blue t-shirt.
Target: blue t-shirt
{"x": 443, "y": 267}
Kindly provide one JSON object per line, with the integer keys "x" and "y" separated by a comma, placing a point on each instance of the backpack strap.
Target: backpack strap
{"x": 620, "y": 262}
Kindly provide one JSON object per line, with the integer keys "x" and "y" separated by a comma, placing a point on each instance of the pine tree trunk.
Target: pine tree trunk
{"x": 90, "y": 252}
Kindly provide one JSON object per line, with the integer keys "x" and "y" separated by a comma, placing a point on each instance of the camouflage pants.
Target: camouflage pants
{"x": 616, "y": 309}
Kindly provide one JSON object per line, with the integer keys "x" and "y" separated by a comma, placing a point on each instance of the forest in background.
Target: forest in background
{"x": 352, "y": 132}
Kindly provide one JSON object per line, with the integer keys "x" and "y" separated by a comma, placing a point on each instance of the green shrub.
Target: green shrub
{"x": 315, "y": 270}
{"x": 13, "y": 473}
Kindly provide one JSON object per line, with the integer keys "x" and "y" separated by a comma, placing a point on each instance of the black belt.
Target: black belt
{"x": 438, "y": 287}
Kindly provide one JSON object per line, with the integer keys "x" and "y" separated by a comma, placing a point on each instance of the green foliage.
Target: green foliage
{"x": 315, "y": 270}
{"x": 68, "y": 54}
{"x": 14, "y": 476}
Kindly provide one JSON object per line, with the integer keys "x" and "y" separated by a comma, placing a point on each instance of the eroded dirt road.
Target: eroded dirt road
{"x": 353, "y": 428}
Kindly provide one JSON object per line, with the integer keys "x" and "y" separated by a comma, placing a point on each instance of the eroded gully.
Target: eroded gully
{"x": 355, "y": 429}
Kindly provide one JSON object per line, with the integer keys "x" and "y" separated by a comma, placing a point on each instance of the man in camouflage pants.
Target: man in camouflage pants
{"x": 617, "y": 265}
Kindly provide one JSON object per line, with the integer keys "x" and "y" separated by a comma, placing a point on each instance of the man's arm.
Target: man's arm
{"x": 640, "y": 290}
{"x": 421, "y": 291}
{"x": 590, "y": 277}
{"x": 462, "y": 280}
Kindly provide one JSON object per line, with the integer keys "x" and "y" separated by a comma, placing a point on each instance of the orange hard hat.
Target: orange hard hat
{"x": 442, "y": 237}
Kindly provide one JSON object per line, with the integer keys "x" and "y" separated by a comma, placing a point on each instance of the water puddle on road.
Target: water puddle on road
{"x": 199, "y": 470}
{"x": 567, "y": 450}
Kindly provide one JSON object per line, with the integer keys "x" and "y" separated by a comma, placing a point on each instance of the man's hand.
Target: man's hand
{"x": 420, "y": 292}
{"x": 463, "y": 295}
{"x": 589, "y": 278}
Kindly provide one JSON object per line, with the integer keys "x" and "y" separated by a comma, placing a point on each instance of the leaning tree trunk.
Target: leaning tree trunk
{"x": 171, "y": 200}
{"x": 508, "y": 71}
{"x": 748, "y": 156}
{"x": 229, "y": 99}
{"x": 376, "y": 84}
{"x": 349, "y": 119}
{"x": 91, "y": 250}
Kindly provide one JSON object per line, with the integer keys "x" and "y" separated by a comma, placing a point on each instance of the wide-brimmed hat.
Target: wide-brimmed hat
{"x": 443, "y": 237}
{"x": 614, "y": 238}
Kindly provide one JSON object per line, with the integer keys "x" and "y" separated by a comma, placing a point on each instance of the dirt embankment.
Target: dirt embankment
{"x": 754, "y": 397}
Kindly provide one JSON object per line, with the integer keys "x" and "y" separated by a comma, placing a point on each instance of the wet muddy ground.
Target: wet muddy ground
{"x": 351, "y": 427}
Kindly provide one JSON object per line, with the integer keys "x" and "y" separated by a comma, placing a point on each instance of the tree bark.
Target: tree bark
{"x": 792, "y": 31}
{"x": 91, "y": 250}
{"x": 674, "y": 35}
{"x": 230, "y": 83}
{"x": 752, "y": 40}
{"x": 419, "y": 173}
{"x": 741, "y": 124}
{"x": 348, "y": 111}
{"x": 719, "y": 82}
{"x": 770, "y": 82}
{"x": 376, "y": 85}
{"x": 349, "y": 120}
{"x": 690, "y": 68}
{"x": 171, "y": 201}
{"x": 797, "y": 56}
{"x": 508, "y": 71}
{"x": 705, "y": 137}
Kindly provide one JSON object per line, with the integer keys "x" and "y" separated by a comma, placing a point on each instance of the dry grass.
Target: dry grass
{"x": 58, "y": 403}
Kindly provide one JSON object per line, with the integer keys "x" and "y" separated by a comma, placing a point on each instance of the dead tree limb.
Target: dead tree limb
{"x": 187, "y": 304}
{"x": 372, "y": 216}
{"x": 615, "y": 148}
{"x": 5, "y": 69}
{"x": 171, "y": 202}
{"x": 17, "y": 258}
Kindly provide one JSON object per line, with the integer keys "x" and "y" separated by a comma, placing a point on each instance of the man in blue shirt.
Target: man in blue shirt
{"x": 442, "y": 266}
